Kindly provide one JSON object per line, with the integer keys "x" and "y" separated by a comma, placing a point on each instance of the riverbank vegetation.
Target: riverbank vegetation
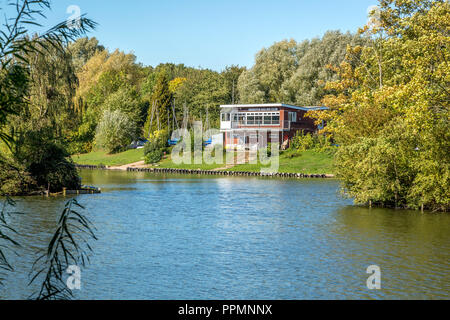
{"x": 389, "y": 108}
{"x": 293, "y": 161}
{"x": 37, "y": 84}
{"x": 102, "y": 158}
{"x": 310, "y": 161}
{"x": 386, "y": 87}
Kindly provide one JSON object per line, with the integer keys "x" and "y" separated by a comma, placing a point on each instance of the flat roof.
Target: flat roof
{"x": 272, "y": 105}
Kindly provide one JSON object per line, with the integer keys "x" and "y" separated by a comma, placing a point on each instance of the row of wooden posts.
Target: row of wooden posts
{"x": 217, "y": 173}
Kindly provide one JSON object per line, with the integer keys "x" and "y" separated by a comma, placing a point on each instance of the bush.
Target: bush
{"x": 158, "y": 140}
{"x": 47, "y": 162}
{"x": 154, "y": 156}
{"x": 308, "y": 141}
{"x": 155, "y": 148}
{"x": 115, "y": 131}
{"x": 400, "y": 168}
{"x": 14, "y": 180}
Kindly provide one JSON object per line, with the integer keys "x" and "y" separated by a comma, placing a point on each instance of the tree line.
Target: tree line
{"x": 386, "y": 86}
{"x": 389, "y": 108}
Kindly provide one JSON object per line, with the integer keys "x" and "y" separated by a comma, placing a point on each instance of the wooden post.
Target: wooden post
{"x": 64, "y": 191}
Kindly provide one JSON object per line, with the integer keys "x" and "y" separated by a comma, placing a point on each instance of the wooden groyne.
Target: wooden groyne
{"x": 216, "y": 173}
{"x": 231, "y": 173}
{"x": 90, "y": 167}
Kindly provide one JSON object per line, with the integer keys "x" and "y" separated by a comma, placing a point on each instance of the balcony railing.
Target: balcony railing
{"x": 285, "y": 125}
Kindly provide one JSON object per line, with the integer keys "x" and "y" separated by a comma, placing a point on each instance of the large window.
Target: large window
{"x": 258, "y": 118}
{"x": 225, "y": 117}
{"x": 292, "y": 116}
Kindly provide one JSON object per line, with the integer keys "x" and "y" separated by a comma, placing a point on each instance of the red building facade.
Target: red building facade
{"x": 253, "y": 125}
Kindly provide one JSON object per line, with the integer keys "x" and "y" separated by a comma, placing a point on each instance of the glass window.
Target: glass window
{"x": 276, "y": 119}
{"x": 293, "y": 116}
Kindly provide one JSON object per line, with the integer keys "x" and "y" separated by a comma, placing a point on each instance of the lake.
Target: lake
{"x": 189, "y": 237}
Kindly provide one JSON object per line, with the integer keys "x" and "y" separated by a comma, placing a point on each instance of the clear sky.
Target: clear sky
{"x": 211, "y": 33}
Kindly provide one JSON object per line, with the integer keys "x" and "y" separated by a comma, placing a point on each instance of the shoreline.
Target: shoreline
{"x": 128, "y": 168}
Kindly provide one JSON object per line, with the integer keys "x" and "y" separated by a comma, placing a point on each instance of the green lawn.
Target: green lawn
{"x": 96, "y": 158}
{"x": 168, "y": 163}
{"x": 309, "y": 162}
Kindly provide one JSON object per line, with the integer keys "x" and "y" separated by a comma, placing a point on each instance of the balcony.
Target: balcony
{"x": 284, "y": 125}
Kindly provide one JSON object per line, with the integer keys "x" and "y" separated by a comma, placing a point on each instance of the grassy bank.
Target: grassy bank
{"x": 169, "y": 164}
{"x": 309, "y": 162}
{"x": 96, "y": 158}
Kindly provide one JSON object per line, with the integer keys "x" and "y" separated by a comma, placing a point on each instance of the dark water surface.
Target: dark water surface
{"x": 182, "y": 237}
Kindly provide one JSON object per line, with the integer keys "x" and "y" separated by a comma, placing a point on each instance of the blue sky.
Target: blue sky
{"x": 211, "y": 34}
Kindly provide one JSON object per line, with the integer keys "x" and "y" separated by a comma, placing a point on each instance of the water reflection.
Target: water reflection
{"x": 411, "y": 248}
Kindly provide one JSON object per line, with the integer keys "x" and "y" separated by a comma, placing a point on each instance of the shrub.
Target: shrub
{"x": 14, "y": 180}
{"x": 115, "y": 131}
{"x": 154, "y": 156}
{"x": 304, "y": 142}
{"x": 155, "y": 148}
{"x": 158, "y": 141}
{"x": 46, "y": 161}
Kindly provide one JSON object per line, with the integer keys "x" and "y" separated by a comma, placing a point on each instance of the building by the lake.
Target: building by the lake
{"x": 250, "y": 125}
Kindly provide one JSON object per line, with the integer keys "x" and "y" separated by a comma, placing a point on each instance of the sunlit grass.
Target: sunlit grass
{"x": 309, "y": 162}
{"x": 167, "y": 162}
{"x": 96, "y": 158}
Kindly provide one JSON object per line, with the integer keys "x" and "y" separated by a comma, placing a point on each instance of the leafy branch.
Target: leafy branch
{"x": 5, "y": 240}
{"x": 16, "y": 45}
{"x": 68, "y": 246}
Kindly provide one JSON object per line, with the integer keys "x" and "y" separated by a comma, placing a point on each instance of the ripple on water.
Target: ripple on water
{"x": 173, "y": 237}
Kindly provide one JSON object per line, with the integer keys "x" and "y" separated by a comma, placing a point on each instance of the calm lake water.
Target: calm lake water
{"x": 183, "y": 237}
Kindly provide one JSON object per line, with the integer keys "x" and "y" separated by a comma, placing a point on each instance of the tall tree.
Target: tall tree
{"x": 84, "y": 49}
{"x": 231, "y": 75}
{"x": 17, "y": 45}
{"x": 162, "y": 99}
{"x": 294, "y": 72}
{"x": 390, "y": 108}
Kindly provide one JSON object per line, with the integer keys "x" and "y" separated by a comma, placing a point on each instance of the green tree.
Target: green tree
{"x": 249, "y": 89}
{"x": 46, "y": 160}
{"x": 231, "y": 75}
{"x": 128, "y": 101}
{"x": 306, "y": 86}
{"x": 162, "y": 98}
{"x": 294, "y": 72}
{"x": 82, "y": 50}
{"x": 23, "y": 110}
{"x": 203, "y": 92}
{"x": 115, "y": 131}
{"x": 389, "y": 111}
